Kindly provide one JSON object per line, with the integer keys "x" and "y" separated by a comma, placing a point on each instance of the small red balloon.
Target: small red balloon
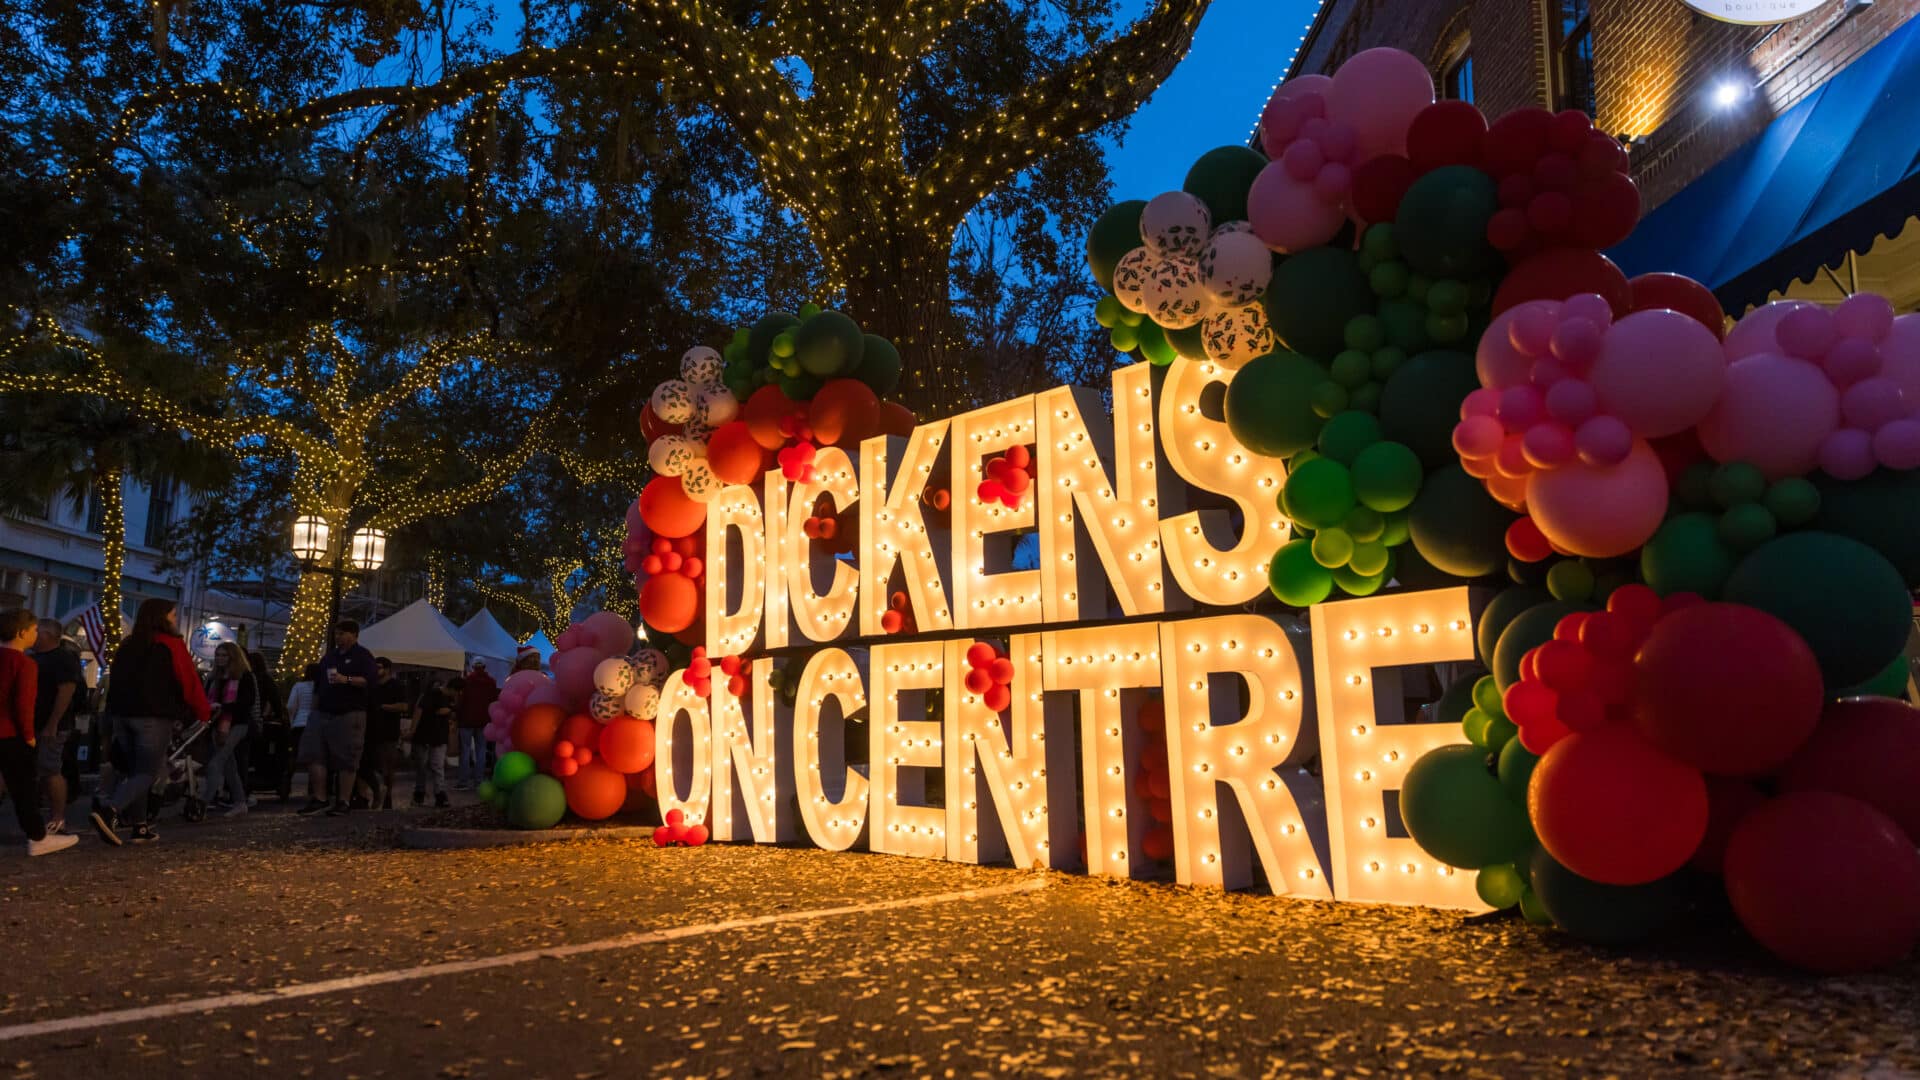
{"x": 1676, "y": 292}
{"x": 1516, "y": 140}
{"x": 1615, "y": 810}
{"x": 980, "y": 654}
{"x": 997, "y": 698}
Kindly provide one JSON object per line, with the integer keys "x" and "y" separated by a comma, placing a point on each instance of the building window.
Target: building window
{"x": 160, "y": 497}
{"x": 70, "y": 598}
{"x": 1456, "y": 79}
{"x": 1573, "y": 56}
{"x": 96, "y": 513}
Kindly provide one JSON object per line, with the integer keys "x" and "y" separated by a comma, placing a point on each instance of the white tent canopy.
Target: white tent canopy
{"x": 492, "y": 642}
{"x": 421, "y": 636}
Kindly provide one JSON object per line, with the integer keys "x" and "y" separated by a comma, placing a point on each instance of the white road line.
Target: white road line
{"x": 460, "y": 967}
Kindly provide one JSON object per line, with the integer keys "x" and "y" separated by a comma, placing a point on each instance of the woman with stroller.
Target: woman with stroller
{"x": 235, "y": 693}
{"x": 152, "y": 688}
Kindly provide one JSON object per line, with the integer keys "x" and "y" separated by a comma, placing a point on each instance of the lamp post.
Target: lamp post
{"x": 364, "y": 552}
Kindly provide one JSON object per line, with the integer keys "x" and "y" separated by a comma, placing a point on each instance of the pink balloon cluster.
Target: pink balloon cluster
{"x": 1311, "y": 148}
{"x": 581, "y": 649}
{"x": 1838, "y": 389}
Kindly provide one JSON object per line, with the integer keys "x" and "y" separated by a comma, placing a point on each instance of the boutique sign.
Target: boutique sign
{"x": 1756, "y": 12}
{"x": 1030, "y": 693}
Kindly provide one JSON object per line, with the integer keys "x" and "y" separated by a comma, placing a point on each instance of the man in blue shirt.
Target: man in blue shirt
{"x": 337, "y": 727}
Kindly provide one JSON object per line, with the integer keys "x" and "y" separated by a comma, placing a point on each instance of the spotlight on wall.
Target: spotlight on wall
{"x": 1728, "y": 94}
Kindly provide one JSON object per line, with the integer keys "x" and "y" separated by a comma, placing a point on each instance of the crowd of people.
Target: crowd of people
{"x": 345, "y": 721}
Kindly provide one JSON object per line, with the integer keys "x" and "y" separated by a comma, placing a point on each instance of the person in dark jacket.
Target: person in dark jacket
{"x": 151, "y": 689}
{"x": 432, "y": 730}
{"x": 337, "y": 728}
{"x": 236, "y": 697}
{"x": 19, "y": 687}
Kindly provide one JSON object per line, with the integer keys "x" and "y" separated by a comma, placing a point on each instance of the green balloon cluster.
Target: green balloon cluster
{"x": 510, "y": 773}
{"x": 799, "y": 353}
{"x": 1486, "y": 724}
{"x": 1351, "y": 496}
{"x": 1420, "y": 310}
{"x": 1129, "y": 331}
{"x": 1724, "y": 511}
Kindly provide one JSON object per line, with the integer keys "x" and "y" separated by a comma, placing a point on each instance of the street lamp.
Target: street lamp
{"x": 310, "y": 535}
{"x": 368, "y": 549}
{"x": 364, "y": 552}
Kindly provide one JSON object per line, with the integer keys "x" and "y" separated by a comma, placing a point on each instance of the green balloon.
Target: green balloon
{"x": 1406, "y": 323}
{"x": 1475, "y": 724}
{"x": 1221, "y": 179}
{"x": 1747, "y": 526}
{"x": 828, "y": 344}
{"x": 1420, "y": 405}
{"x": 1455, "y": 700}
{"x": 798, "y": 387}
{"x": 1890, "y": 683}
{"x": 1571, "y": 581}
{"x": 760, "y": 338}
{"x": 1505, "y": 607}
{"x": 1516, "y": 769}
{"x": 1841, "y": 596}
{"x": 1155, "y": 346}
{"x": 1695, "y": 487}
{"x": 1348, "y": 433}
{"x": 1793, "y": 502}
{"x": 1534, "y": 911}
{"x": 486, "y": 790}
{"x": 498, "y": 801}
{"x": 1369, "y": 559}
{"x": 1116, "y": 233}
{"x": 1500, "y": 732}
{"x": 1319, "y": 494}
{"x": 1364, "y": 525}
{"x": 1313, "y": 296}
{"x": 1332, "y": 548}
{"x": 1457, "y": 812}
{"x": 1603, "y": 914}
{"x": 879, "y": 365}
{"x": 1190, "y": 343}
{"x": 1107, "y": 311}
{"x": 1457, "y": 526}
{"x": 1882, "y": 511}
{"x": 1441, "y": 226}
{"x": 1352, "y": 368}
{"x": 537, "y": 803}
{"x": 1687, "y": 555}
{"x": 1499, "y": 885}
{"x": 1124, "y": 338}
{"x": 1386, "y": 476}
{"x": 513, "y": 767}
{"x": 1269, "y": 404}
{"x": 1395, "y": 532}
{"x": 1486, "y": 695}
{"x": 1354, "y": 583}
{"x": 1735, "y": 483}
{"x": 1330, "y": 399}
{"x": 1533, "y": 627}
{"x": 1295, "y": 578}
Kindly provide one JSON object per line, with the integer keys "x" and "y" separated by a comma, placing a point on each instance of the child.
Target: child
{"x": 19, "y": 686}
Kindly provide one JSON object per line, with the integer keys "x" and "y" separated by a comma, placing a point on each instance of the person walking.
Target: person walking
{"x": 478, "y": 692}
{"x": 386, "y": 708}
{"x": 152, "y": 687}
{"x": 271, "y": 739}
{"x": 337, "y": 727}
{"x": 235, "y": 693}
{"x": 432, "y": 728}
{"x": 19, "y": 692}
{"x": 58, "y": 667}
{"x": 299, "y": 711}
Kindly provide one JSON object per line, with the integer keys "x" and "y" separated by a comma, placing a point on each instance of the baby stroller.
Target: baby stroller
{"x": 179, "y": 779}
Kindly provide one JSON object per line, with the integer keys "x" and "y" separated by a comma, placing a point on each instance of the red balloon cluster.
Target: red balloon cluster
{"x": 735, "y": 669}
{"x": 898, "y": 618}
{"x": 674, "y": 573}
{"x": 1583, "y": 678}
{"x": 1562, "y": 184}
{"x": 578, "y": 739}
{"x": 990, "y": 675}
{"x": 699, "y": 676}
{"x": 1008, "y": 478}
{"x": 1151, "y": 782}
{"x": 796, "y": 462}
{"x": 939, "y": 500}
{"x": 677, "y": 833}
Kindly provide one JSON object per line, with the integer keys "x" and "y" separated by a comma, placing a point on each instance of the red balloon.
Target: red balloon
{"x": 733, "y": 454}
{"x": 980, "y": 654}
{"x": 1729, "y": 801}
{"x": 595, "y": 792}
{"x": 1446, "y": 133}
{"x": 637, "y": 797}
{"x": 896, "y": 419}
{"x": 1157, "y": 842}
{"x": 1726, "y": 688}
{"x": 536, "y": 729}
{"x": 1869, "y": 749}
{"x": 1160, "y": 810}
{"x": 764, "y": 411}
{"x": 647, "y": 783}
{"x": 1615, "y": 810}
{"x": 626, "y": 744}
{"x": 1559, "y": 273}
{"x": 1680, "y": 293}
{"x": 1608, "y": 207}
{"x": 844, "y": 412}
{"x": 1153, "y": 715}
{"x": 1516, "y": 140}
{"x": 997, "y": 698}
{"x": 665, "y": 508}
{"x": 694, "y": 836}
{"x": 1825, "y": 882}
{"x": 582, "y": 731}
{"x": 669, "y": 602}
{"x": 652, "y": 427}
{"x": 1379, "y": 185}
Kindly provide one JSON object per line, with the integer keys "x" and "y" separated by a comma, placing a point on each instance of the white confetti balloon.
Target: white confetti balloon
{"x": 1130, "y": 278}
{"x": 1237, "y": 335}
{"x": 1174, "y": 297}
{"x": 650, "y": 666}
{"x": 642, "y": 701}
{"x": 702, "y": 366}
{"x": 713, "y": 406}
{"x": 1176, "y": 224}
{"x": 1235, "y": 269}
{"x": 613, "y": 676}
{"x": 604, "y": 707}
{"x": 673, "y": 402}
{"x": 1232, "y": 227}
{"x": 669, "y": 455}
{"x": 698, "y": 481}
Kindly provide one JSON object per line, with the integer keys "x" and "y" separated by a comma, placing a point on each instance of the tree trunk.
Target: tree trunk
{"x": 109, "y": 483}
{"x": 307, "y": 625}
{"x": 896, "y": 278}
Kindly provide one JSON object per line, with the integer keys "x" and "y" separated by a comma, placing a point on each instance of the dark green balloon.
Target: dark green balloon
{"x": 1531, "y": 628}
{"x": 760, "y": 338}
{"x": 1116, "y": 233}
{"x": 798, "y": 387}
{"x": 538, "y": 802}
{"x": 1842, "y": 596}
{"x": 1221, "y": 179}
{"x": 1386, "y": 476}
{"x": 879, "y": 365}
{"x": 1882, "y": 511}
{"x": 1457, "y": 526}
{"x": 1891, "y": 682}
{"x": 1457, "y": 812}
{"x": 1414, "y": 572}
{"x": 1420, "y": 405}
{"x": 1505, "y": 607}
{"x": 828, "y": 344}
{"x": 1456, "y": 699}
{"x": 1270, "y": 407}
{"x": 1406, "y": 323}
{"x": 1155, "y": 346}
{"x": 1312, "y": 297}
{"x": 1295, "y": 578}
{"x": 1190, "y": 343}
{"x": 1604, "y": 914}
{"x": 1687, "y": 555}
{"x": 1441, "y": 227}
{"x": 1516, "y": 770}
{"x": 1348, "y": 433}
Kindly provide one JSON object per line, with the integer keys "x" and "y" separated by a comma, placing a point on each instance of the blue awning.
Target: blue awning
{"x": 1831, "y": 175}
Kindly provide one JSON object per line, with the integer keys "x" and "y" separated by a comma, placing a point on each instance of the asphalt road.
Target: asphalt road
{"x": 1052, "y": 975}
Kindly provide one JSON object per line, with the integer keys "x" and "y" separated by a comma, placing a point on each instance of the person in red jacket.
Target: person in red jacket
{"x": 19, "y": 690}
{"x": 476, "y": 693}
{"x": 152, "y": 688}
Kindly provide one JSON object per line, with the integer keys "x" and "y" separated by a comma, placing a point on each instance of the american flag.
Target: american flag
{"x": 95, "y": 630}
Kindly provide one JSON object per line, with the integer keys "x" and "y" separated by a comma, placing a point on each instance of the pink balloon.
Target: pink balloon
{"x": 1521, "y": 406}
{"x": 1659, "y": 371}
{"x": 1577, "y": 342}
{"x": 1532, "y": 328}
{"x": 1774, "y": 413}
{"x": 498, "y": 710}
{"x": 1478, "y": 437}
{"x": 1603, "y": 440}
{"x": 549, "y": 694}
{"x": 1900, "y": 355}
{"x": 1897, "y": 446}
{"x": 1333, "y": 182}
{"x": 573, "y": 672}
{"x": 1289, "y": 215}
{"x": 1847, "y": 454}
{"x": 523, "y": 683}
{"x": 1601, "y": 511}
{"x": 1754, "y": 334}
{"x": 1499, "y": 359}
{"x": 1807, "y": 333}
{"x": 1850, "y": 360}
{"x": 1549, "y": 444}
{"x": 1274, "y": 135}
{"x": 1303, "y": 160}
{"x": 1871, "y": 404}
{"x": 1571, "y": 401}
{"x": 1866, "y": 316}
{"x": 1379, "y": 92}
{"x": 609, "y": 633}
{"x": 1509, "y": 491}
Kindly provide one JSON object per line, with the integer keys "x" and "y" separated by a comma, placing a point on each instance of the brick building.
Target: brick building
{"x": 1685, "y": 91}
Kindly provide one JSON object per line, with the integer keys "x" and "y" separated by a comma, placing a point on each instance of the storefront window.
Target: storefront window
{"x": 1573, "y": 56}
{"x": 1456, "y": 82}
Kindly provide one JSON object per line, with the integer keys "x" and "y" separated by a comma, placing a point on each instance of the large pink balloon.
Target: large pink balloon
{"x": 611, "y": 634}
{"x": 1900, "y": 355}
{"x": 531, "y": 680}
{"x": 1600, "y": 511}
{"x": 548, "y": 693}
{"x": 1288, "y": 215}
{"x": 1660, "y": 371}
{"x": 1774, "y": 413}
{"x": 1379, "y": 92}
{"x": 1753, "y": 334}
{"x": 1286, "y": 91}
{"x": 573, "y": 672}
